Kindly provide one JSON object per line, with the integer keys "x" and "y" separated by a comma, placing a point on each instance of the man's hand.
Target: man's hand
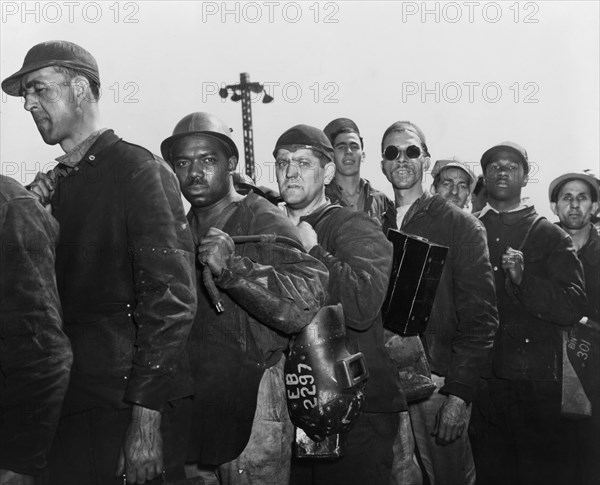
{"x": 43, "y": 187}
{"x": 451, "y": 420}
{"x": 308, "y": 236}
{"x": 141, "y": 457}
{"x": 513, "y": 264}
{"x": 8, "y": 477}
{"x": 215, "y": 249}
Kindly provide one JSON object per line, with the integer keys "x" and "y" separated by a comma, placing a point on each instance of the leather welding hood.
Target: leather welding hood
{"x": 323, "y": 380}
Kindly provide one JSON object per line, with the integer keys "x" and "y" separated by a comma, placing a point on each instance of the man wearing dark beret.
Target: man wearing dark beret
{"x": 540, "y": 291}
{"x": 359, "y": 258}
{"x": 125, "y": 274}
{"x": 347, "y": 188}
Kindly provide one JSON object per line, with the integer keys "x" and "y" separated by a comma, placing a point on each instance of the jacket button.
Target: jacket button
{"x": 495, "y": 268}
{"x": 526, "y": 340}
{"x": 92, "y": 157}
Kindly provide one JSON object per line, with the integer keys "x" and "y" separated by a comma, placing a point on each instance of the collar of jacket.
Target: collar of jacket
{"x": 425, "y": 204}
{"x": 105, "y": 140}
{"x": 313, "y": 218}
{"x": 590, "y": 252}
{"x": 510, "y": 218}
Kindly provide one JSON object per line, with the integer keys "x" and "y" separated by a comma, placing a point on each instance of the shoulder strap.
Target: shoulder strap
{"x": 219, "y": 223}
{"x": 529, "y": 231}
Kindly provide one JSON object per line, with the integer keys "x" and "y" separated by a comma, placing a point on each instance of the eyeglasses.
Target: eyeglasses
{"x": 392, "y": 152}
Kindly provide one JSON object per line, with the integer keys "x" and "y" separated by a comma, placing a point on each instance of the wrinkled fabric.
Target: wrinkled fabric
{"x": 464, "y": 319}
{"x": 589, "y": 255}
{"x": 229, "y": 352}
{"x": 125, "y": 276}
{"x": 35, "y": 354}
{"x": 528, "y": 344}
{"x": 372, "y": 202}
{"x": 87, "y": 446}
{"x": 518, "y": 434}
{"x": 267, "y": 456}
{"x": 359, "y": 260}
{"x": 450, "y": 464}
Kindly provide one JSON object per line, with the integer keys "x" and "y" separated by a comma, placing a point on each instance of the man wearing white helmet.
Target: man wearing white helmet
{"x": 268, "y": 290}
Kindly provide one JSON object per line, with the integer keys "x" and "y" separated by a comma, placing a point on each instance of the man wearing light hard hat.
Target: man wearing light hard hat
{"x": 252, "y": 296}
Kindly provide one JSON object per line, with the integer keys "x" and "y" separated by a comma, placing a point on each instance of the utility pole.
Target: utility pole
{"x": 241, "y": 92}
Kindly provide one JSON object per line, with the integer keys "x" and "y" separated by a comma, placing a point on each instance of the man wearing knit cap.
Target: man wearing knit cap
{"x": 358, "y": 258}
{"x": 347, "y": 188}
{"x": 125, "y": 274}
{"x": 463, "y": 319}
{"x": 269, "y": 291}
{"x": 453, "y": 180}
{"x": 540, "y": 291}
{"x": 574, "y": 199}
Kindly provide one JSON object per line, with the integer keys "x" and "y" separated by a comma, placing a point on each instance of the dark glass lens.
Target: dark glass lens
{"x": 392, "y": 152}
{"x": 413, "y": 151}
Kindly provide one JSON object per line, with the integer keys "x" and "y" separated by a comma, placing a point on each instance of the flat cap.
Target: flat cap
{"x": 506, "y": 146}
{"x": 53, "y": 53}
{"x": 400, "y": 126}
{"x": 558, "y": 182}
{"x": 338, "y": 126}
{"x": 457, "y": 163}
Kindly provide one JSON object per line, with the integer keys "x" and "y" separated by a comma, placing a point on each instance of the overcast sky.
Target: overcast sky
{"x": 470, "y": 74}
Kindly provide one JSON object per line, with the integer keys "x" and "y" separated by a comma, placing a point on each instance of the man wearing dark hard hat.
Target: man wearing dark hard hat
{"x": 125, "y": 273}
{"x": 574, "y": 199}
{"x": 347, "y": 188}
{"x": 453, "y": 180}
{"x": 268, "y": 292}
{"x": 463, "y": 320}
{"x": 540, "y": 291}
{"x": 359, "y": 259}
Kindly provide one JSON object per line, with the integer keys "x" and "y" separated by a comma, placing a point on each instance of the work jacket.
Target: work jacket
{"x": 35, "y": 354}
{"x": 125, "y": 273}
{"x": 359, "y": 260}
{"x": 464, "y": 319}
{"x": 270, "y": 291}
{"x": 551, "y": 296}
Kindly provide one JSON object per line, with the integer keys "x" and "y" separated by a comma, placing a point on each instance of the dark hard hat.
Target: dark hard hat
{"x": 201, "y": 124}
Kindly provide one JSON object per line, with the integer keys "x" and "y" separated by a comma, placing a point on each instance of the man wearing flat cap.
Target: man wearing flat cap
{"x": 574, "y": 199}
{"x": 347, "y": 188}
{"x": 125, "y": 274}
{"x": 453, "y": 180}
{"x": 463, "y": 320}
{"x": 269, "y": 291}
{"x": 540, "y": 291}
{"x": 358, "y": 258}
